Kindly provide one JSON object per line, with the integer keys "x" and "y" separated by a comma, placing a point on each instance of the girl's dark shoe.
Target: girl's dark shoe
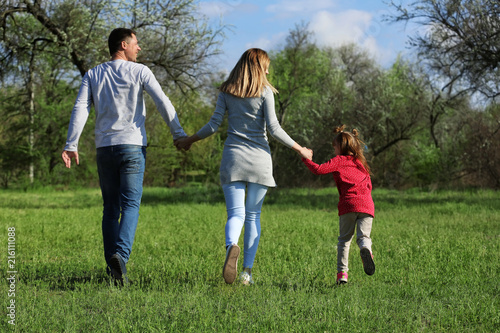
{"x": 368, "y": 263}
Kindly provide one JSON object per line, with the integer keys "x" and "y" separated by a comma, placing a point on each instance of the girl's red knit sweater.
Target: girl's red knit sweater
{"x": 353, "y": 183}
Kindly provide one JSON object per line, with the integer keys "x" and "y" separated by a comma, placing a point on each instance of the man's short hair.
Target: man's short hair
{"x": 116, "y": 37}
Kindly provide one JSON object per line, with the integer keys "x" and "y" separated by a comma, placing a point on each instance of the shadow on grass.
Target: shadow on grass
{"x": 73, "y": 276}
{"x": 144, "y": 282}
{"x": 74, "y": 281}
{"x": 67, "y": 282}
{"x": 307, "y": 286}
{"x": 482, "y": 199}
{"x": 187, "y": 195}
{"x": 52, "y": 277}
{"x": 78, "y": 199}
{"x": 326, "y": 198}
{"x": 214, "y": 195}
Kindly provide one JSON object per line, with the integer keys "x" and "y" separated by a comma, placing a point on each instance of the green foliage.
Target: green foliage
{"x": 481, "y": 150}
{"x": 429, "y": 277}
{"x": 53, "y": 105}
{"x": 46, "y": 47}
{"x": 168, "y": 167}
{"x": 344, "y": 86}
{"x": 423, "y": 164}
{"x": 459, "y": 41}
{"x": 418, "y": 130}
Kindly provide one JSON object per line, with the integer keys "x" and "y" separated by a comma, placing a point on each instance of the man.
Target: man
{"x": 116, "y": 89}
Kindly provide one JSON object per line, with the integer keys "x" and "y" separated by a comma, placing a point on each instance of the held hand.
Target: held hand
{"x": 182, "y": 143}
{"x": 307, "y": 153}
{"x": 68, "y": 155}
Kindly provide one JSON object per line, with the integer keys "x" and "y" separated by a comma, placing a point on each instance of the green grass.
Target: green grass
{"x": 437, "y": 257}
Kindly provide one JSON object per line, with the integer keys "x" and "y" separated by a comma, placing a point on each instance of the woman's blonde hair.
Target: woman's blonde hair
{"x": 350, "y": 144}
{"x": 248, "y": 77}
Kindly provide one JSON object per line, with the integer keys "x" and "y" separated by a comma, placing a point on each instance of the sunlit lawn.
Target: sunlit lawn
{"x": 437, "y": 257}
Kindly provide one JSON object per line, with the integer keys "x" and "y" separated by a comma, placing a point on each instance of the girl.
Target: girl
{"x": 351, "y": 173}
{"x": 246, "y": 167}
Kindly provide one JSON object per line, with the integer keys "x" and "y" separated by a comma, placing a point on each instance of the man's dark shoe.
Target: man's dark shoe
{"x": 118, "y": 269}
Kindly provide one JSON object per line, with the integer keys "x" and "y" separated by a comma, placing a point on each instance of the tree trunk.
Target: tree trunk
{"x": 31, "y": 102}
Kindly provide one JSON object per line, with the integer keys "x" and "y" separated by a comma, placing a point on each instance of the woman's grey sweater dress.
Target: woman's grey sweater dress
{"x": 246, "y": 156}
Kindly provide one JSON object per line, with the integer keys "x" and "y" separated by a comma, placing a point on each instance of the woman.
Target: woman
{"x": 246, "y": 166}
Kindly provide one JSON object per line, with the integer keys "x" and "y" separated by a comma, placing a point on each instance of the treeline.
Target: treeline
{"x": 423, "y": 124}
{"x": 415, "y": 133}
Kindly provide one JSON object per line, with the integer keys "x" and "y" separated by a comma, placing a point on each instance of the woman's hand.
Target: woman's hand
{"x": 306, "y": 153}
{"x": 303, "y": 151}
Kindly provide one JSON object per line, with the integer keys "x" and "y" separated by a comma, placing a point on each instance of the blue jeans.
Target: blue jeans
{"x": 121, "y": 172}
{"x": 241, "y": 212}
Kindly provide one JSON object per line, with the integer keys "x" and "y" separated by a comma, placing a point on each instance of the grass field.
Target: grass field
{"x": 437, "y": 257}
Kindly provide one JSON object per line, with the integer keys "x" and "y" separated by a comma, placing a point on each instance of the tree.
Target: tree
{"x": 460, "y": 41}
{"x": 304, "y": 76}
{"x": 321, "y": 88}
{"x": 46, "y": 45}
{"x": 183, "y": 42}
{"x": 481, "y": 147}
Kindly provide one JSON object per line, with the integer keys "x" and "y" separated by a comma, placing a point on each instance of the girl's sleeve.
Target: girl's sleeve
{"x": 322, "y": 169}
{"x": 273, "y": 125}
{"x": 216, "y": 120}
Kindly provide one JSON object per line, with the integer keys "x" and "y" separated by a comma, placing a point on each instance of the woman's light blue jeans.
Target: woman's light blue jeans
{"x": 121, "y": 173}
{"x": 244, "y": 212}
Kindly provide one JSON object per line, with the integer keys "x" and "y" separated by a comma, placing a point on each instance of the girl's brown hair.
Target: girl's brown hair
{"x": 349, "y": 143}
{"x": 248, "y": 77}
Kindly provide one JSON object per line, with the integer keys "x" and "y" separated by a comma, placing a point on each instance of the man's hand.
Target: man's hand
{"x": 68, "y": 155}
{"x": 185, "y": 142}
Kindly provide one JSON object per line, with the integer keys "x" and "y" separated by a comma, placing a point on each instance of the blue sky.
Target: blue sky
{"x": 266, "y": 24}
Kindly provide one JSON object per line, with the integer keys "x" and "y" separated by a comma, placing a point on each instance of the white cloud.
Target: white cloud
{"x": 215, "y": 9}
{"x": 351, "y": 26}
{"x": 268, "y": 44}
{"x": 339, "y": 28}
{"x": 290, "y": 8}
{"x": 267, "y": 23}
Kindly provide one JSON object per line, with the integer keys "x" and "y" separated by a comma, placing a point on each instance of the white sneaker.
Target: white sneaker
{"x": 246, "y": 279}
